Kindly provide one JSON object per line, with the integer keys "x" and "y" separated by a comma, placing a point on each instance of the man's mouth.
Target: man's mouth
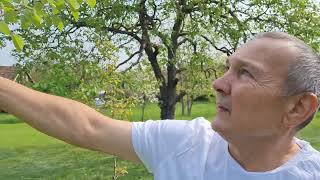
{"x": 221, "y": 108}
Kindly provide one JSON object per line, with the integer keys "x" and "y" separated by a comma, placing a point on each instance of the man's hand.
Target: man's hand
{"x": 68, "y": 120}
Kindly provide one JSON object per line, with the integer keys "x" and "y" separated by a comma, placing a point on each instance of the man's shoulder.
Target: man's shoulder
{"x": 159, "y": 141}
{"x": 193, "y": 124}
{"x": 199, "y": 122}
{"x": 309, "y": 159}
{"x": 186, "y": 133}
{"x": 309, "y": 165}
{"x": 313, "y": 158}
{"x": 197, "y": 127}
{"x": 175, "y": 129}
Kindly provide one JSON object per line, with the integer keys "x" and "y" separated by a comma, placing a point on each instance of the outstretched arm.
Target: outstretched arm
{"x": 68, "y": 120}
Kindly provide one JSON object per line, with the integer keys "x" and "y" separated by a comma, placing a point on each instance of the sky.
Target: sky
{"x": 5, "y": 57}
{"x": 7, "y": 60}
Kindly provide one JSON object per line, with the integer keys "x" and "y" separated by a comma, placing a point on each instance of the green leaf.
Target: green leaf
{"x": 17, "y": 41}
{"x": 48, "y": 20}
{"x": 4, "y": 28}
{"x": 91, "y": 3}
{"x": 25, "y": 22}
{"x": 25, "y": 2}
{"x": 10, "y": 17}
{"x": 52, "y": 3}
{"x": 74, "y": 4}
{"x": 6, "y": 6}
{"x": 75, "y": 14}
{"x": 60, "y": 26}
{"x": 55, "y": 11}
{"x": 57, "y": 22}
{"x": 8, "y": 9}
{"x": 39, "y": 7}
{"x": 37, "y": 19}
{"x": 27, "y": 15}
{"x": 60, "y": 4}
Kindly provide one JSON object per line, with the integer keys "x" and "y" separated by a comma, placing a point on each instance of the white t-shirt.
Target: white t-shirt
{"x": 185, "y": 150}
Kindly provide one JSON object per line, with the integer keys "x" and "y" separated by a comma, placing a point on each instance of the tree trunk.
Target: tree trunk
{"x": 182, "y": 107}
{"x": 189, "y": 105}
{"x": 142, "y": 113}
{"x": 143, "y": 107}
{"x": 168, "y": 93}
{"x": 168, "y": 102}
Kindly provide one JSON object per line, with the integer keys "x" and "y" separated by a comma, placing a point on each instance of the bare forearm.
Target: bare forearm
{"x": 68, "y": 120}
{"x": 56, "y": 116}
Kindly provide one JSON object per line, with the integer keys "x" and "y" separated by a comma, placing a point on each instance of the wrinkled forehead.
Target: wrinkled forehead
{"x": 270, "y": 54}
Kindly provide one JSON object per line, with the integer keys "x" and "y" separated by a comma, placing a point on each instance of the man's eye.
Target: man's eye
{"x": 245, "y": 72}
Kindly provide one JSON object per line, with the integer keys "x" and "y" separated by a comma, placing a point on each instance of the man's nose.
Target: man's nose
{"x": 222, "y": 85}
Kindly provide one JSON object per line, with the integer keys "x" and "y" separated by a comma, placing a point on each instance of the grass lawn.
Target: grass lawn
{"x": 28, "y": 154}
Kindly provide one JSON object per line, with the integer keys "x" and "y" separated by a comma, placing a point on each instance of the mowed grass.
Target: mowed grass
{"x": 311, "y": 133}
{"x": 28, "y": 154}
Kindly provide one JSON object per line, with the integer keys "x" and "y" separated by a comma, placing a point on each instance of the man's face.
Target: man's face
{"x": 249, "y": 94}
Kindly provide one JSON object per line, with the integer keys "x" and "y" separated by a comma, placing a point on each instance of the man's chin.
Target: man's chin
{"x": 220, "y": 125}
{"x": 216, "y": 124}
{"x": 221, "y": 129}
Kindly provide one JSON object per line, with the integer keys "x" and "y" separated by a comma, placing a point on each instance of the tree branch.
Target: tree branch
{"x": 110, "y": 29}
{"x": 223, "y": 49}
{"x": 127, "y": 60}
{"x": 118, "y": 31}
{"x": 135, "y": 63}
{"x": 180, "y": 96}
{"x": 125, "y": 43}
{"x": 146, "y": 44}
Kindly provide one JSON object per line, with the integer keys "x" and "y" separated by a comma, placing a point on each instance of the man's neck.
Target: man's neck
{"x": 263, "y": 155}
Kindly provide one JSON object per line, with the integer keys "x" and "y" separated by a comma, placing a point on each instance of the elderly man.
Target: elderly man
{"x": 267, "y": 95}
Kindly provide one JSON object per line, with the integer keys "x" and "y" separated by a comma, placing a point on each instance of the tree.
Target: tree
{"x": 81, "y": 75}
{"x": 158, "y": 29}
{"x": 199, "y": 70}
{"x": 68, "y": 70}
{"x": 143, "y": 86}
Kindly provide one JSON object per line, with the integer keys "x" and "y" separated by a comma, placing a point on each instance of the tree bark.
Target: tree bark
{"x": 143, "y": 107}
{"x": 189, "y": 104}
{"x": 168, "y": 102}
{"x": 182, "y": 107}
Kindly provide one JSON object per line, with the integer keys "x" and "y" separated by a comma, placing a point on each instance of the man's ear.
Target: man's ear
{"x": 300, "y": 108}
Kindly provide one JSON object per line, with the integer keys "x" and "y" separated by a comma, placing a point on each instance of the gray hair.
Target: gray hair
{"x": 304, "y": 72}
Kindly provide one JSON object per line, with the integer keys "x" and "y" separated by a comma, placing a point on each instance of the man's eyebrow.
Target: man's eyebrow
{"x": 243, "y": 62}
